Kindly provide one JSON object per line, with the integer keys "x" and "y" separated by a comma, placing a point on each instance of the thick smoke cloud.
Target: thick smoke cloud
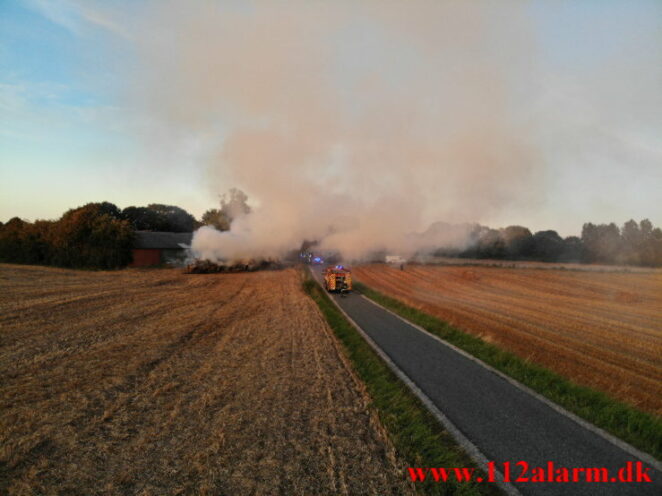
{"x": 354, "y": 123}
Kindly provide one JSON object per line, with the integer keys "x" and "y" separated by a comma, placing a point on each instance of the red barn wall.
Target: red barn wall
{"x": 145, "y": 257}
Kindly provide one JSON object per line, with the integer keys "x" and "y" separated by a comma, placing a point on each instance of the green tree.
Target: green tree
{"x": 88, "y": 237}
{"x": 632, "y": 243}
{"x": 548, "y": 246}
{"x": 650, "y": 249}
{"x": 572, "y": 249}
{"x": 173, "y": 218}
{"x": 159, "y": 217}
{"x": 602, "y": 243}
{"x": 216, "y": 218}
{"x": 144, "y": 219}
{"x": 518, "y": 241}
{"x": 11, "y": 241}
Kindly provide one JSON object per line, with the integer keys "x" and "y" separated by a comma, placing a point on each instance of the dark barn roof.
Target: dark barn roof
{"x": 161, "y": 240}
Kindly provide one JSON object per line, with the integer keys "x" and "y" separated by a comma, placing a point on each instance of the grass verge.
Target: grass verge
{"x": 416, "y": 434}
{"x": 640, "y": 429}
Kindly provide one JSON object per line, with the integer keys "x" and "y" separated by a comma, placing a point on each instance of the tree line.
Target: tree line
{"x": 632, "y": 244}
{"x": 92, "y": 236}
{"x": 100, "y": 235}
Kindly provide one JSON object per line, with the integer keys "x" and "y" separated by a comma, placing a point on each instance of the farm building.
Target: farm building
{"x": 156, "y": 248}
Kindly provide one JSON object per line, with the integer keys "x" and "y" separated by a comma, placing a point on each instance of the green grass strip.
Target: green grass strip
{"x": 416, "y": 434}
{"x": 640, "y": 429}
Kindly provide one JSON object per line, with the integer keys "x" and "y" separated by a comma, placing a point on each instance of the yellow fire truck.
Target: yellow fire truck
{"x": 338, "y": 278}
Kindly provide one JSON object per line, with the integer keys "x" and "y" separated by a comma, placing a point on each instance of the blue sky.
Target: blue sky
{"x": 69, "y": 134}
{"x": 64, "y": 140}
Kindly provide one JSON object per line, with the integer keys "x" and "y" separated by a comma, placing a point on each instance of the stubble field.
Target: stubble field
{"x": 601, "y": 329}
{"x": 156, "y": 382}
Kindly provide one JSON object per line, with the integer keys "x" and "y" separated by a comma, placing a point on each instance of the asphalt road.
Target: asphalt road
{"x": 504, "y": 422}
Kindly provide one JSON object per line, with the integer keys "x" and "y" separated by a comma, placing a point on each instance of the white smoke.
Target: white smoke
{"x": 353, "y": 123}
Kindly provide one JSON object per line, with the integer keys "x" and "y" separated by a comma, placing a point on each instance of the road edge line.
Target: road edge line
{"x": 619, "y": 443}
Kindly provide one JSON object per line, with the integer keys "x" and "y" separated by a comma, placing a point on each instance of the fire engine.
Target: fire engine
{"x": 338, "y": 278}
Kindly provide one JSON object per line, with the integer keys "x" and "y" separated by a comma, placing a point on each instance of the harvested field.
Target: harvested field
{"x": 601, "y": 329}
{"x": 155, "y": 382}
{"x": 531, "y": 264}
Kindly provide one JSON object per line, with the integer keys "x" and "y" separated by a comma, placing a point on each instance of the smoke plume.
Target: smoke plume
{"x": 353, "y": 123}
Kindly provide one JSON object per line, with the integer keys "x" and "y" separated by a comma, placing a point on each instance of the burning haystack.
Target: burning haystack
{"x": 247, "y": 265}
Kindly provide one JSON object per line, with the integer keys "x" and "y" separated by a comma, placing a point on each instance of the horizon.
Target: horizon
{"x": 495, "y": 227}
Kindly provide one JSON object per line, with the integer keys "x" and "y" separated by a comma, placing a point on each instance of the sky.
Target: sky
{"x": 546, "y": 114}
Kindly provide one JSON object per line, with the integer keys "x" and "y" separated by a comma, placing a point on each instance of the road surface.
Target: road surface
{"x": 505, "y": 423}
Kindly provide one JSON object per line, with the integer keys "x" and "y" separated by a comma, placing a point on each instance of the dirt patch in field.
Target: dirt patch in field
{"x": 155, "y": 382}
{"x": 601, "y": 329}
